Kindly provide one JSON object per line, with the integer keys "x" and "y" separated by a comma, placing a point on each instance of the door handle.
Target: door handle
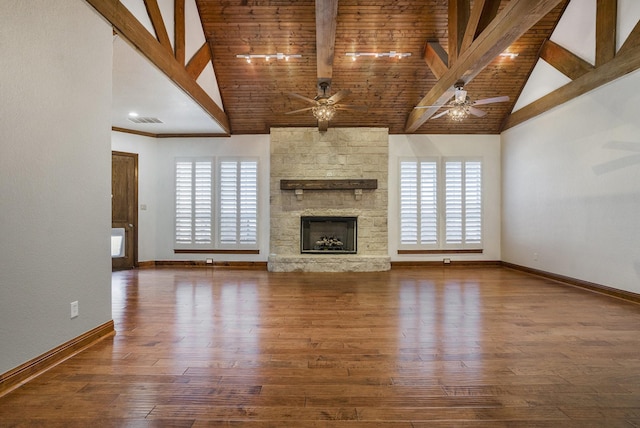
{"x": 130, "y": 225}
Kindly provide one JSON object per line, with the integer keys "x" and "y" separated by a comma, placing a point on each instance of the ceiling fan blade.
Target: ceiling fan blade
{"x": 302, "y": 97}
{"x": 477, "y": 112}
{"x": 442, "y": 113}
{"x": 298, "y": 111}
{"x": 350, "y": 107}
{"x": 491, "y": 100}
{"x": 338, "y": 96}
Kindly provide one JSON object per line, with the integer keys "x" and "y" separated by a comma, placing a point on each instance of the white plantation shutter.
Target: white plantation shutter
{"x": 463, "y": 202}
{"x": 238, "y": 223}
{"x": 473, "y": 202}
{"x": 418, "y": 202}
{"x": 193, "y": 209}
{"x": 184, "y": 203}
{"x": 429, "y": 202}
{"x": 228, "y": 202}
{"x": 453, "y": 202}
{"x": 408, "y": 202}
{"x": 248, "y": 202}
{"x": 203, "y": 202}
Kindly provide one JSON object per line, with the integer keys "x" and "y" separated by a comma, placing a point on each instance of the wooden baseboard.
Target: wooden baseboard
{"x": 263, "y": 265}
{"x": 23, "y": 373}
{"x": 591, "y": 286}
{"x": 146, "y": 264}
{"x": 203, "y": 263}
{"x": 434, "y": 263}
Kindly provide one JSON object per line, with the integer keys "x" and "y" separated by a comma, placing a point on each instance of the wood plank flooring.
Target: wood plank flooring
{"x": 435, "y": 347}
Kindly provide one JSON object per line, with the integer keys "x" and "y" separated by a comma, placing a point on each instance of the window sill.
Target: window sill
{"x": 210, "y": 251}
{"x": 440, "y": 251}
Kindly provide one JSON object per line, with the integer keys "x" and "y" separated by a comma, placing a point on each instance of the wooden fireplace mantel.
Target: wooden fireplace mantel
{"x": 357, "y": 185}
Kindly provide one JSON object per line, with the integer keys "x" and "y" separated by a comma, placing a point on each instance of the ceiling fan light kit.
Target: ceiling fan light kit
{"x": 323, "y": 112}
{"x": 458, "y": 113}
{"x": 324, "y": 106}
{"x": 462, "y": 106}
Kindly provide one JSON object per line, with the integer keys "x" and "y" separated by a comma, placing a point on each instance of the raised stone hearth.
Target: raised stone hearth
{"x": 328, "y": 263}
{"x": 315, "y": 167}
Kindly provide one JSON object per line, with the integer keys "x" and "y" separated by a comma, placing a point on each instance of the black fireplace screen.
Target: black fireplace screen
{"x": 328, "y": 235}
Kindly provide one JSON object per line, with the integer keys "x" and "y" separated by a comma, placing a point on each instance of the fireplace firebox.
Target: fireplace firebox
{"x": 328, "y": 235}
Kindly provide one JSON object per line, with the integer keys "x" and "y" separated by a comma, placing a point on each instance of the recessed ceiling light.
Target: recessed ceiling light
{"x": 133, "y": 114}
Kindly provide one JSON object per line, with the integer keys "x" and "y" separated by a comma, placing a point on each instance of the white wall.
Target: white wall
{"x": 55, "y": 175}
{"x": 571, "y": 188}
{"x": 485, "y": 146}
{"x": 156, "y": 166}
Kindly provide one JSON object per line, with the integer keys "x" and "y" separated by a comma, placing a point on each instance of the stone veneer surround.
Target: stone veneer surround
{"x": 338, "y": 153}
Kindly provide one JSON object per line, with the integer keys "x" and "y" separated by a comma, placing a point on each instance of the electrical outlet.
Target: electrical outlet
{"x": 446, "y": 261}
{"x": 209, "y": 261}
{"x": 74, "y": 309}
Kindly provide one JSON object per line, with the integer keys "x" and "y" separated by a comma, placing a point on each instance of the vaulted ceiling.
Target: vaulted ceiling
{"x": 255, "y": 94}
{"x": 448, "y": 41}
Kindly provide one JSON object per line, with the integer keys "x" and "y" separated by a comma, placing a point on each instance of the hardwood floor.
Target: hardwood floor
{"x": 436, "y": 347}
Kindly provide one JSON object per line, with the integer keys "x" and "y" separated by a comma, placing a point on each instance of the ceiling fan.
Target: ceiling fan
{"x": 324, "y": 106}
{"x": 461, "y": 106}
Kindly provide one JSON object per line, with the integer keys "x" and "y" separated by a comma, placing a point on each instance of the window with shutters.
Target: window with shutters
{"x": 238, "y": 202}
{"x": 441, "y": 203}
{"x": 194, "y": 203}
{"x": 216, "y": 210}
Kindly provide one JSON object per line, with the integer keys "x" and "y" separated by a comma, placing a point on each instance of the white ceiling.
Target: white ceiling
{"x": 140, "y": 87}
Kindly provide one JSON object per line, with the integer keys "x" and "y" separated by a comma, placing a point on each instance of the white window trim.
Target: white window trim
{"x": 238, "y": 245}
{"x": 441, "y": 243}
{"x": 442, "y": 195}
{"x": 418, "y": 161}
{"x": 215, "y": 243}
{"x": 193, "y": 245}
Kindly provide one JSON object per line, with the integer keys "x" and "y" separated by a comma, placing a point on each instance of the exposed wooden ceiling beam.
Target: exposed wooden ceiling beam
{"x": 625, "y": 61}
{"x": 179, "y": 31}
{"x": 199, "y": 61}
{"x": 606, "y": 19}
{"x": 514, "y": 20}
{"x": 633, "y": 40}
{"x": 130, "y": 28}
{"x": 458, "y": 18}
{"x": 482, "y": 13}
{"x": 436, "y": 58}
{"x": 564, "y": 61}
{"x": 621, "y": 65}
{"x": 326, "y": 14}
{"x": 153, "y": 10}
{"x": 489, "y": 12}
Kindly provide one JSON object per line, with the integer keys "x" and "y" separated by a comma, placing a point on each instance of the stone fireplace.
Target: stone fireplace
{"x": 337, "y": 174}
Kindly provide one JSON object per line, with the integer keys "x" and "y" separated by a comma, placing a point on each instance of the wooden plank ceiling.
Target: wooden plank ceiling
{"x": 254, "y": 95}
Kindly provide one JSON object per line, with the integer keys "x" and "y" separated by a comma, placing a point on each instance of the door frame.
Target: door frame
{"x": 134, "y": 232}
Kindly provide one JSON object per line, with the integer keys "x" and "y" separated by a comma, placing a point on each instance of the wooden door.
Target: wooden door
{"x": 124, "y": 206}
